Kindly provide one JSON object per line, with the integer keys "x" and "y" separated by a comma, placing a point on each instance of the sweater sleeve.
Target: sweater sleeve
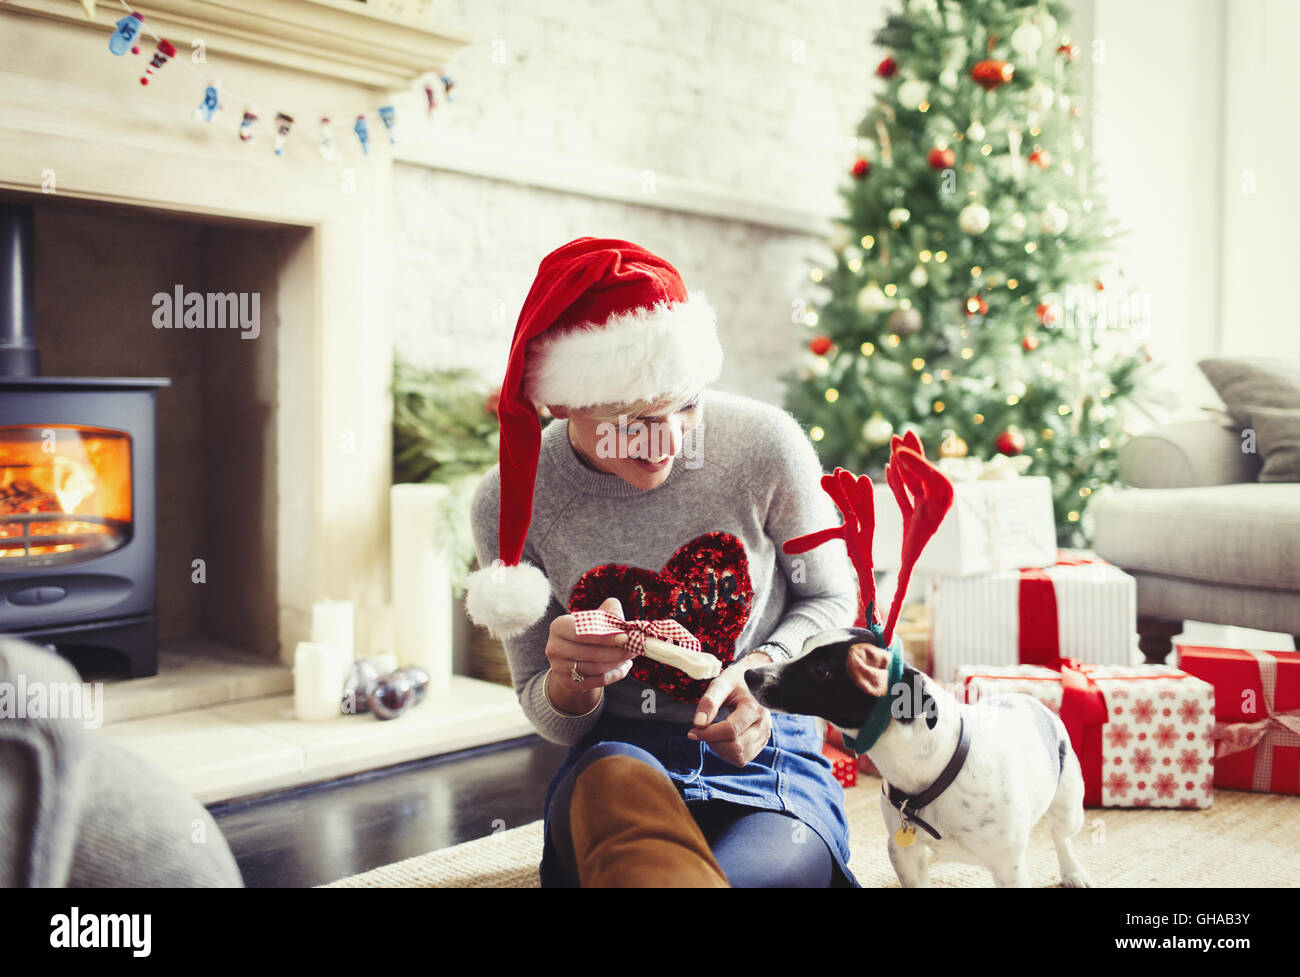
{"x": 526, "y": 651}
{"x": 821, "y": 585}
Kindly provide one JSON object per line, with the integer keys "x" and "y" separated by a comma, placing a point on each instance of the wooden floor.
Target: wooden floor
{"x": 318, "y": 834}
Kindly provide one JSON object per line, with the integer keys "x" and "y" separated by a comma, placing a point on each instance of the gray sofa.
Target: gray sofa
{"x": 1204, "y": 539}
{"x": 79, "y": 810}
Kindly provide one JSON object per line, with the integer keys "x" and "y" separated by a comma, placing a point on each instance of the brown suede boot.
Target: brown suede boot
{"x": 631, "y": 829}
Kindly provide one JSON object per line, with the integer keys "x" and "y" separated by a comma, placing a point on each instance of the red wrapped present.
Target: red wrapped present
{"x": 846, "y": 771}
{"x": 1257, "y": 713}
{"x": 1081, "y": 608}
{"x": 834, "y": 739}
{"x": 1144, "y": 734}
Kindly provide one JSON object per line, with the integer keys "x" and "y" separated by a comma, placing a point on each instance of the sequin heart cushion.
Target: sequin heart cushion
{"x": 704, "y": 586}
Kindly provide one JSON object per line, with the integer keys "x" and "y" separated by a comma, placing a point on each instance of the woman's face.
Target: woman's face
{"x": 640, "y": 450}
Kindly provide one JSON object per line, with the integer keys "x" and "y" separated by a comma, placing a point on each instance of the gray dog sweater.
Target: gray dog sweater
{"x": 746, "y": 473}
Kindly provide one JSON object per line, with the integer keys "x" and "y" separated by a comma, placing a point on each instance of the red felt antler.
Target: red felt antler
{"x": 924, "y": 495}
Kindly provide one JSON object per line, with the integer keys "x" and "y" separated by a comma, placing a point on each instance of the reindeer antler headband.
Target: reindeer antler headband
{"x": 924, "y": 495}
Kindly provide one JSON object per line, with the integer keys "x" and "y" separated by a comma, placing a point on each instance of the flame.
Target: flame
{"x": 58, "y": 473}
{"x": 74, "y": 482}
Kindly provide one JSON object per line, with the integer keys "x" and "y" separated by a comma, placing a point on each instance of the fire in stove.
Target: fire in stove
{"x": 65, "y": 493}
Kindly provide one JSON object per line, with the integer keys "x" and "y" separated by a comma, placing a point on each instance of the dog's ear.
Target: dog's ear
{"x": 868, "y": 667}
{"x": 916, "y": 699}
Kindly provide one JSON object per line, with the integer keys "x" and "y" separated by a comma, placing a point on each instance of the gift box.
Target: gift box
{"x": 846, "y": 771}
{"x": 1144, "y": 734}
{"x": 1082, "y": 608}
{"x": 1257, "y": 715}
{"x": 993, "y": 525}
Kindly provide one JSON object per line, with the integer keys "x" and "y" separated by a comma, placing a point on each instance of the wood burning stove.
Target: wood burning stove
{"x": 77, "y": 483}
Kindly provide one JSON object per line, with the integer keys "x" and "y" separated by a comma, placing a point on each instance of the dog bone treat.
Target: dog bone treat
{"x": 666, "y": 641}
{"x": 696, "y": 664}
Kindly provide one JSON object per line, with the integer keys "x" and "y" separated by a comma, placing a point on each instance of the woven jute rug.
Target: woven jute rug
{"x": 1243, "y": 839}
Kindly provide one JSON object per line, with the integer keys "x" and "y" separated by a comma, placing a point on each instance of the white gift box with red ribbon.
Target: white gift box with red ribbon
{"x": 993, "y": 525}
{"x": 1081, "y": 608}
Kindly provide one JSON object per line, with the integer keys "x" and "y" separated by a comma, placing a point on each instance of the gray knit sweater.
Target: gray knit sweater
{"x": 746, "y": 470}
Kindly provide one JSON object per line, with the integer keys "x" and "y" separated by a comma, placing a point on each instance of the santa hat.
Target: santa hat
{"x": 606, "y": 322}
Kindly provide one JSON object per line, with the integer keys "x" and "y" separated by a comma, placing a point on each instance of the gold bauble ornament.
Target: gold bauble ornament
{"x": 877, "y": 430}
{"x": 952, "y": 446}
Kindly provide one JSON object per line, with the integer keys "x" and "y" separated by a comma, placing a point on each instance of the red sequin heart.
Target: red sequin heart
{"x": 704, "y": 586}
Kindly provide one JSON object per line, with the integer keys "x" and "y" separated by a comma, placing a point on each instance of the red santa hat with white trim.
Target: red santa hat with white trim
{"x": 606, "y": 322}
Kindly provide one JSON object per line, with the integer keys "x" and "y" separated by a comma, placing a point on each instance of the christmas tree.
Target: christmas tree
{"x": 970, "y": 297}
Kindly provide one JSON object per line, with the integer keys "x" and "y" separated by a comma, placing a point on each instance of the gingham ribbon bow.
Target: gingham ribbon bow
{"x": 600, "y": 622}
{"x": 1233, "y": 738}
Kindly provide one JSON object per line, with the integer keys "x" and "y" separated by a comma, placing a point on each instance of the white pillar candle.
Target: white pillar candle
{"x": 422, "y": 600}
{"x": 319, "y": 672}
{"x": 332, "y": 623}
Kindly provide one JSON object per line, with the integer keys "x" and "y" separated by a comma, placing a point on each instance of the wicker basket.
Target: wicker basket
{"x": 487, "y": 658}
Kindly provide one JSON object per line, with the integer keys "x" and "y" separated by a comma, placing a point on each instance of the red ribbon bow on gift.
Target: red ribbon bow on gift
{"x": 598, "y": 622}
{"x": 1082, "y": 701}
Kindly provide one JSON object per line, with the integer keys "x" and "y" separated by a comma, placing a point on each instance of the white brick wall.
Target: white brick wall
{"x": 760, "y": 98}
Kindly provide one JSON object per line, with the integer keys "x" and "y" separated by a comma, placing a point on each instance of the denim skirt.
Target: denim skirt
{"x": 789, "y": 774}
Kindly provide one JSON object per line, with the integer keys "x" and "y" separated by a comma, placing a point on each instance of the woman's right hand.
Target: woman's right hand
{"x": 601, "y": 659}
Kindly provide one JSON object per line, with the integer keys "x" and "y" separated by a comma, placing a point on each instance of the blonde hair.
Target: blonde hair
{"x": 635, "y": 408}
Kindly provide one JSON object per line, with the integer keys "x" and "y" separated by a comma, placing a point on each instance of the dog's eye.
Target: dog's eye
{"x": 820, "y": 671}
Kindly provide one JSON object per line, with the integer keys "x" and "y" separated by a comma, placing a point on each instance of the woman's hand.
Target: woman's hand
{"x": 601, "y": 659}
{"x": 742, "y": 735}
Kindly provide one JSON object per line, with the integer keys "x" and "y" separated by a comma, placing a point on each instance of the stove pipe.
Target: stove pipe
{"x": 18, "y": 354}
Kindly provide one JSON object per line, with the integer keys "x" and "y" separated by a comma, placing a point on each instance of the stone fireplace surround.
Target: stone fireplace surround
{"x": 81, "y": 137}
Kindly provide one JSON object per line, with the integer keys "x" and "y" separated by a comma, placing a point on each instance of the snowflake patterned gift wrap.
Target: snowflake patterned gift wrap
{"x": 1257, "y": 713}
{"x": 846, "y": 771}
{"x": 1144, "y": 734}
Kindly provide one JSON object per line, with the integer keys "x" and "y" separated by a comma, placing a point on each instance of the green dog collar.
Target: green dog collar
{"x": 880, "y": 712}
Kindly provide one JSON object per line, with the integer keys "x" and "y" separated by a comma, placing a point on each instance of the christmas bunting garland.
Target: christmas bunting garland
{"x": 126, "y": 36}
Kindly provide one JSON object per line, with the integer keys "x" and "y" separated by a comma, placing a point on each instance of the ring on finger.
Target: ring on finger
{"x": 576, "y": 675}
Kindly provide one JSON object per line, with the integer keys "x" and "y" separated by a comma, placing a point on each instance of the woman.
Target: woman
{"x": 624, "y": 504}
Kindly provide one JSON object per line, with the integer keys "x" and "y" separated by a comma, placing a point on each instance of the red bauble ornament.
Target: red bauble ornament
{"x": 975, "y": 305}
{"x": 1041, "y": 158}
{"x": 942, "y": 159}
{"x": 820, "y": 345}
{"x": 1011, "y": 442}
{"x": 1030, "y": 343}
{"x": 1071, "y": 51}
{"x": 1048, "y": 314}
{"x": 860, "y": 168}
{"x": 887, "y": 68}
{"x": 990, "y": 74}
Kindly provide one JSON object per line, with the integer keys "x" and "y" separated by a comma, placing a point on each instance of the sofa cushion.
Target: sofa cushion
{"x": 1247, "y": 382}
{"x": 1278, "y": 432}
{"x": 1248, "y": 534}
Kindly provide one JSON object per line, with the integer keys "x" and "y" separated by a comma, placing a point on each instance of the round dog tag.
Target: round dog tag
{"x": 905, "y": 836}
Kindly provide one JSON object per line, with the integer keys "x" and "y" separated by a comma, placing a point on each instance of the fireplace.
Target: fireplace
{"x": 273, "y": 454}
{"x": 77, "y": 496}
{"x": 77, "y": 523}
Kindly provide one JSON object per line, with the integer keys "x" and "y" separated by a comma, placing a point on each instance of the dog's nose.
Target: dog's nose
{"x": 753, "y": 678}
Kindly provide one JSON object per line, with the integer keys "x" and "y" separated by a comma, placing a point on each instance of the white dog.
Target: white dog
{"x": 970, "y": 781}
